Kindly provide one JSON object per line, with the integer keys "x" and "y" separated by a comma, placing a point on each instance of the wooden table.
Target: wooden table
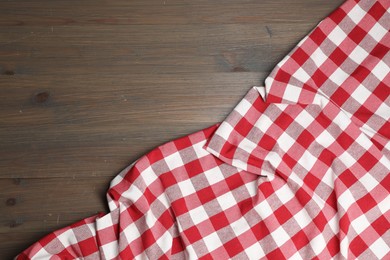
{"x": 87, "y": 87}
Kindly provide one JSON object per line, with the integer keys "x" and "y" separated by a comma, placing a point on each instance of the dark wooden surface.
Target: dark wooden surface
{"x": 87, "y": 87}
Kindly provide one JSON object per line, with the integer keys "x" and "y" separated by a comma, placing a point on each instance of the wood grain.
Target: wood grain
{"x": 87, "y": 87}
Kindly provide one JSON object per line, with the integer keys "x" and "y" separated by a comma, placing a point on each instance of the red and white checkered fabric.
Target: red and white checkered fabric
{"x": 327, "y": 186}
{"x": 344, "y": 60}
{"x": 300, "y": 169}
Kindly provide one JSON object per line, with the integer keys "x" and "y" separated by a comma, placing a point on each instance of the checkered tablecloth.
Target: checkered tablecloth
{"x": 300, "y": 169}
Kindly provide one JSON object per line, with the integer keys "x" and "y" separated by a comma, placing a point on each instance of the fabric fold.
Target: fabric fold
{"x": 344, "y": 60}
{"x": 320, "y": 150}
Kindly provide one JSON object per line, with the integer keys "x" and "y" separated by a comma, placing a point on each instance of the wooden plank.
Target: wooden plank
{"x": 99, "y": 131}
{"x": 159, "y": 12}
{"x": 60, "y": 201}
{"x": 144, "y": 50}
{"x": 32, "y": 208}
{"x": 11, "y": 244}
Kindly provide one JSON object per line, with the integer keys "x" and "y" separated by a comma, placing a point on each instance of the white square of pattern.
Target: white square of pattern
{"x": 191, "y": 253}
{"x": 302, "y": 218}
{"x": 199, "y": 150}
{"x": 384, "y": 205}
{"x": 133, "y": 192}
{"x": 240, "y": 164}
{"x": 304, "y": 119}
{"x": 269, "y": 81}
{"x": 318, "y": 57}
{"x": 212, "y": 242}
{"x": 254, "y": 250}
{"x": 42, "y": 254}
{"x": 240, "y": 226}
{"x": 380, "y": 248}
{"x": 247, "y": 145}
{"x": 368, "y": 182}
{"x": 339, "y": 76}
{"x": 333, "y": 223}
{"x": 387, "y": 146}
{"x": 273, "y": 157}
{"x": 347, "y": 159}
{"x": 363, "y": 141}
{"x": 110, "y": 250}
{"x": 150, "y": 219}
{"x": 284, "y": 194}
{"x": 92, "y": 229}
{"x": 67, "y": 238}
{"x": 325, "y": 139}
{"x": 346, "y": 200}
{"x": 383, "y": 111}
{"x": 296, "y": 178}
{"x": 318, "y": 244}
{"x": 356, "y": 14}
{"x": 328, "y": 177}
{"x": 377, "y": 32}
{"x": 264, "y": 209}
{"x": 301, "y": 75}
{"x": 361, "y": 94}
{"x": 225, "y": 130}
{"x": 186, "y": 187}
{"x": 164, "y": 200}
{"x": 214, "y": 175}
{"x": 174, "y": 161}
{"x": 342, "y": 120}
{"x": 280, "y": 236}
{"x": 307, "y": 160}
{"x": 198, "y": 215}
{"x": 296, "y": 256}
{"x": 263, "y": 123}
{"x": 243, "y": 107}
{"x": 358, "y": 54}
{"x": 381, "y": 70}
{"x": 226, "y": 201}
{"x": 292, "y": 93}
{"x": 360, "y": 224}
{"x": 104, "y": 222}
{"x": 131, "y": 232}
{"x": 337, "y": 36}
{"x": 285, "y": 141}
{"x": 368, "y": 130}
{"x": 149, "y": 177}
{"x": 165, "y": 242}
{"x": 252, "y": 188}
